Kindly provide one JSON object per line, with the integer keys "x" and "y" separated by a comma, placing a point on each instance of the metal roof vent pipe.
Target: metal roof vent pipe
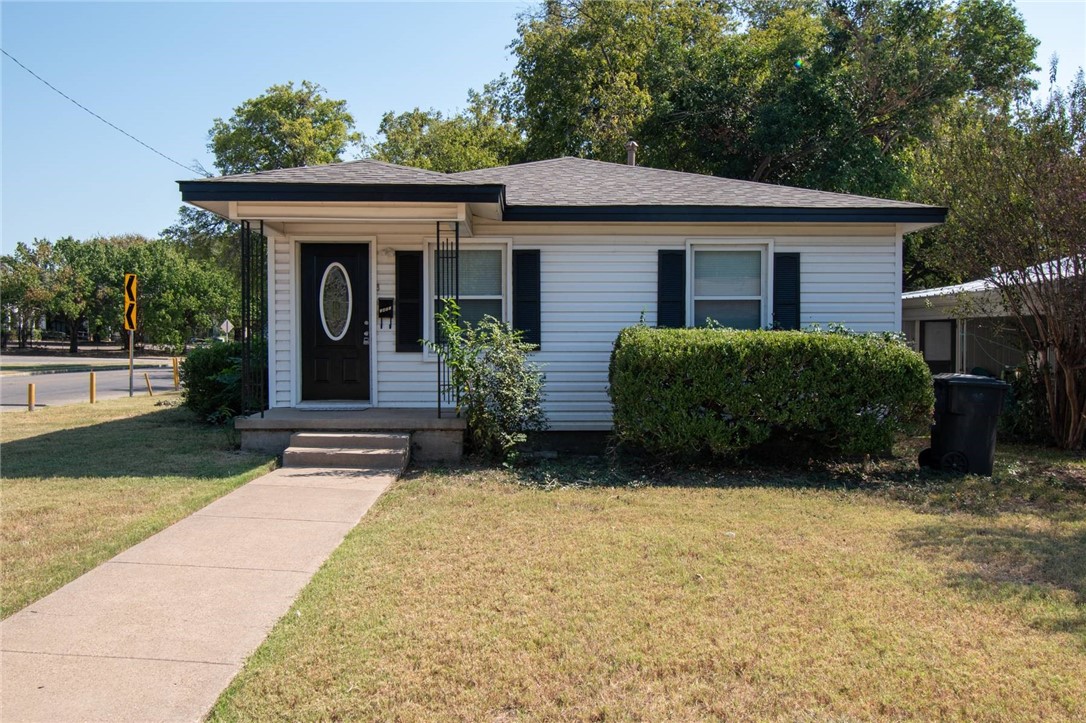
{"x": 631, "y": 153}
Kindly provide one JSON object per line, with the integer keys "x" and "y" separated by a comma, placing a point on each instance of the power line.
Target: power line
{"x": 64, "y": 95}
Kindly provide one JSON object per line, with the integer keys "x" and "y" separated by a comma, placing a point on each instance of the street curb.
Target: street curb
{"x": 76, "y": 370}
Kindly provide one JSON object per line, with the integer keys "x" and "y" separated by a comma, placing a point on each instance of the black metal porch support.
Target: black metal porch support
{"x": 446, "y": 286}
{"x": 253, "y": 332}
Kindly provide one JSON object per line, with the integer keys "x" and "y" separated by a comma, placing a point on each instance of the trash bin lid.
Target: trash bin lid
{"x": 972, "y": 380}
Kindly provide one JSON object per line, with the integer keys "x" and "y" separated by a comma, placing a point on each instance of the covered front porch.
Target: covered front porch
{"x": 336, "y": 279}
{"x": 434, "y": 438}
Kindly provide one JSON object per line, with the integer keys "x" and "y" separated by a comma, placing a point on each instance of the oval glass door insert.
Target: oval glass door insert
{"x": 336, "y": 301}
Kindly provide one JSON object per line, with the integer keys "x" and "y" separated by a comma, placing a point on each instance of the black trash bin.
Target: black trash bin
{"x": 966, "y": 412}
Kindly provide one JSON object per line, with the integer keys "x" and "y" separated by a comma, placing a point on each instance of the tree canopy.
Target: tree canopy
{"x": 80, "y": 283}
{"x": 285, "y": 127}
{"x": 1015, "y": 184}
{"x": 830, "y": 95}
{"x": 481, "y": 136}
{"x": 206, "y": 237}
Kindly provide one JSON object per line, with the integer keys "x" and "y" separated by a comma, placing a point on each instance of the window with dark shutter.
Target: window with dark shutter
{"x": 526, "y": 296}
{"x": 786, "y": 291}
{"x": 408, "y": 314}
{"x": 671, "y": 289}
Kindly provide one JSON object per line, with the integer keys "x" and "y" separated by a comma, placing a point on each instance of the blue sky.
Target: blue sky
{"x": 163, "y": 71}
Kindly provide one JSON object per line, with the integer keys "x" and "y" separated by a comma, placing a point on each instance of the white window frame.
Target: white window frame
{"x": 763, "y": 246}
{"x": 505, "y": 245}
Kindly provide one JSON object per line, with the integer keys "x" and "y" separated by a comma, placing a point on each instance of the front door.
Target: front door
{"x": 335, "y": 322}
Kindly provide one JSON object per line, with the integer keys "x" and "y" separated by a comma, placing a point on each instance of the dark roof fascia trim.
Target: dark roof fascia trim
{"x": 265, "y": 191}
{"x": 733, "y": 214}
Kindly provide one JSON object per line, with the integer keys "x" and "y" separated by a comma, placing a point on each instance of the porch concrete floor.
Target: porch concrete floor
{"x": 159, "y": 631}
{"x": 381, "y": 419}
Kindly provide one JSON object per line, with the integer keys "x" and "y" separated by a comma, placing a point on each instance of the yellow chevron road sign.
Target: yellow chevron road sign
{"x": 130, "y": 302}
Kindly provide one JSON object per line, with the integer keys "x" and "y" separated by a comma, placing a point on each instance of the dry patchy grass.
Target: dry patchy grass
{"x": 81, "y": 483}
{"x": 582, "y": 592}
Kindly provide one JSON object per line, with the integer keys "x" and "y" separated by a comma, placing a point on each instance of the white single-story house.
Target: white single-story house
{"x": 568, "y": 250}
{"x": 969, "y": 328}
{"x": 963, "y": 328}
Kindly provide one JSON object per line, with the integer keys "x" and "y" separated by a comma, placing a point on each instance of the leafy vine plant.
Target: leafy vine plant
{"x": 500, "y": 388}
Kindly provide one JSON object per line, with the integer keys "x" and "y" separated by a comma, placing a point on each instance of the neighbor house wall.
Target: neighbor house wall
{"x": 993, "y": 344}
{"x": 595, "y": 280}
{"x": 986, "y": 337}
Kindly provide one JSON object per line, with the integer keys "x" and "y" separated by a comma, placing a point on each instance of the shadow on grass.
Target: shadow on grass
{"x": 1046, "y": 568}
{"x": 170, "y": 442}
{"x": 1027, "y": 480}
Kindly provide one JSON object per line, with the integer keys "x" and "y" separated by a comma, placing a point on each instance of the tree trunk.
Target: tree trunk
{"x": 1066, "y": 411}
{"x": 73, "y": 336}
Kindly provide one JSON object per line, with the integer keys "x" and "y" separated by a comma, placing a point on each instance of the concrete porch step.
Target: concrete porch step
{"x": 431, "y": 438}
{"x": 394, "y": 460}
{"x": 346, "y": 440}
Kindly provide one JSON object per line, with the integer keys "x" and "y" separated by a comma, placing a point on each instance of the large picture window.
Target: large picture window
{"x": 729, "y": 287}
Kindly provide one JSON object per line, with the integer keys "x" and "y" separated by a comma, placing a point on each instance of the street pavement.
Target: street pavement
{"x": 12, "y": 362}
{"x": 53, "y": 390}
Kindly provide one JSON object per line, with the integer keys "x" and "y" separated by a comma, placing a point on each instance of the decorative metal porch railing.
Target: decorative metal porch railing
{"x": 446, "y": 286}
{"x": 253, "y": 330}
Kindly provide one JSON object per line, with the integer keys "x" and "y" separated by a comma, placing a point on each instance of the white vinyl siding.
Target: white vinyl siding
{"x": 280, "y": 321}
{"x": 592, "y": 286}
{"x": 589, "y": 292}
{"x": 403, "y": 378}
{"x": 850, "y": 281}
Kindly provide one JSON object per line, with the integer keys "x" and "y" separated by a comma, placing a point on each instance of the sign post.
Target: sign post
{"x": 130, "y": 321}
{"x": 226, "y": 327}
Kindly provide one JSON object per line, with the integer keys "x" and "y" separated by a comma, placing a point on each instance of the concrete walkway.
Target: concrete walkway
{"x": 159, "y": 631}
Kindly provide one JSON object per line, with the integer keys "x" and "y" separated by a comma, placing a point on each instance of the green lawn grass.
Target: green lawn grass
{"x": 81, "y": 483}
{"x": 585, "y": 592}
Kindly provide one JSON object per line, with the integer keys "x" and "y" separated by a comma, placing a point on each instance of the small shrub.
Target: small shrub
{"x": 500, "y": 390}
{"x": 689, "y": 392}
{"x": 1025, "y": 409}
{"x": 211, "y": 376}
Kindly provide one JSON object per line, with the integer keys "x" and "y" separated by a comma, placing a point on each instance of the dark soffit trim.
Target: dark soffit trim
{"x": 192, "y": 191}
{"x": 732, "y": 214}
{"x": 270, "y": 191}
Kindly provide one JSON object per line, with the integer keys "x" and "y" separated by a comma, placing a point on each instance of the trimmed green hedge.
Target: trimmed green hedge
{"x": 688, "y": 392}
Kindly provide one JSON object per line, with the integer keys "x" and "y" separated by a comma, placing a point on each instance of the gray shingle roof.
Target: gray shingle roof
{"x": 366, "y": 171}
{"x": 579, "y": 182}
{"x": 561, "y": 189}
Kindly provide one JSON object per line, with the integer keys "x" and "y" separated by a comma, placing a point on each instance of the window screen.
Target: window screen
{"x": 481, "y": 273}
{"x": 728, "y": 288}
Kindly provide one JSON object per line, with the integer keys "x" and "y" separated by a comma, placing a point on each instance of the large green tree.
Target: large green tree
{"x": 179, "y": 296}
{"x": 27, "y": 287}
{"x": 81, "y": 282}
{"x": 481, "y": 136}
{"x": 206, "y": 237}
{"x": 285, "y": 127}
{"x": 75, "y": 286}
{"x": 830, "y": 95}
{"x": 1015, "y": 183}
{"x": 590, "y": 74}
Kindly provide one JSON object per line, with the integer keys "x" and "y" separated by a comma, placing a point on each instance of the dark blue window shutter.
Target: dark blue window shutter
{"x": 671, "y": 289}
{"x": 786, "y": 291}
{"x": 409, "y": 306}
{"x": 526, "y": 296}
